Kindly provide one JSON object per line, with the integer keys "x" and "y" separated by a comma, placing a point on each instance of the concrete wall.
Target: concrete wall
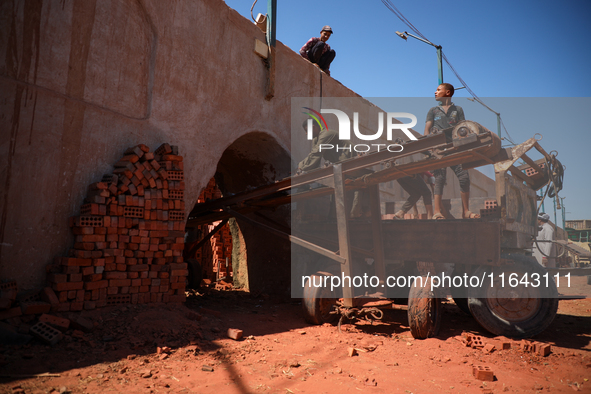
{"x": 81, "y": 81}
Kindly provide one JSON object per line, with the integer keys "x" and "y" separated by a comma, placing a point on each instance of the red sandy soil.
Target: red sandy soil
{"x": 280, "y": 353}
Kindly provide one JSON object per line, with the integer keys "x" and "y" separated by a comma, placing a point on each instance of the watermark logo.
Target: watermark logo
{"x": 344, "y": 129}
{"x": 345, "y": 124}
{"x": 317, "y": 117}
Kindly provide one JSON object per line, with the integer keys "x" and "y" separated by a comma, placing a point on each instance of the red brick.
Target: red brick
{"x": 35, "y": 307}
{"x": 75, "y": 277}
{"x": 67, "y": 286}
{"x": 119, "y": 282}
{"x": 235, "y": 334}
{"x": 489, "y": 348}
{"x": 526, "y": 346}
{"x": 87, "y": 270}
{"x": 103, "y": 284}
{"x": 9, "y": 313}
{"x": 90, "y": 238}
{"x": 79, "y": 295}
{"x": 543, "y": 349}
{"x": 49, "y": 296}
{"x": 483, "y": 373}
{"x": 76, "y": 262}
{"x": 57, "y": 278}
{"x": 56, "y": 322}
{"x": 83, "y": 230}
{"x": 70, "y": 270}
{"x": 115, "y": 275}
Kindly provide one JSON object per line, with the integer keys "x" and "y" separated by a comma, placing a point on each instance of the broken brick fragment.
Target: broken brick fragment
{"x": 235, "y": 334}
{"x": 489, "y": 348}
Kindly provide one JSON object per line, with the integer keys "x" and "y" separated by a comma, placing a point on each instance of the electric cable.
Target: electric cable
{"x": 251, "y": 8}
{"x": 399, "y": 15}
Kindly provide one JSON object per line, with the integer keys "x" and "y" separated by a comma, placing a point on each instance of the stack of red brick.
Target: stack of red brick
{"x": 129, "y": 237}
{"x": 491, "y": 209}
{"x": 212, "y": 257}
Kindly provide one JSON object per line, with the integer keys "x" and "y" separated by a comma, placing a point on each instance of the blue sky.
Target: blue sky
{"x": 502, "y": 49}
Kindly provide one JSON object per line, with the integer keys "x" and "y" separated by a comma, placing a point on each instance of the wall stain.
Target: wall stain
{"x": 83, "y": 16}
{"x": 31, "y": 39}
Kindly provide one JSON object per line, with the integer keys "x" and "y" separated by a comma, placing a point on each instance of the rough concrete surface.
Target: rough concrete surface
{"x": 82, "y": 81}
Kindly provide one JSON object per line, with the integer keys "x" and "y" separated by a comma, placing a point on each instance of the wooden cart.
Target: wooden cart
{"x": 493, "y": 248}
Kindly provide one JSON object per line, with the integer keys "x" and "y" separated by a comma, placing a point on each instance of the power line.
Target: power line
{"x": 399, "y": 15}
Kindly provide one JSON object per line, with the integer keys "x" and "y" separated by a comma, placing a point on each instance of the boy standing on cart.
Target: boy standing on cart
{"x": 444, "y": 116}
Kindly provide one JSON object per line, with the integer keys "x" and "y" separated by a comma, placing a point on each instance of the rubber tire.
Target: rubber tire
{"x": 195, "y": 274}
{"x": 497, "y": 324}
{"x": 318, "y": 301}
{"x": 462, "y": 303}
{"x": 460, "y": 294}
{"x": 424, "y": 310}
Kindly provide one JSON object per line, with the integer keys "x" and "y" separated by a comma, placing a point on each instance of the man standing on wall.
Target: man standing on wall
{"x": 444, "y": 116}
{"x": 317, "y": 51}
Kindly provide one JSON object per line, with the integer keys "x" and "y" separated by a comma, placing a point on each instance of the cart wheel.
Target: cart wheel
{"x": 520, "y": 311}
{"x": 318, "y": 302}
{"x": 195, "y": 274}
{"x": 424, "y": 309}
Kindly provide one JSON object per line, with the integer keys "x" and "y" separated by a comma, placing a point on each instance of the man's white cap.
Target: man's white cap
{"x": 544, "y": 216}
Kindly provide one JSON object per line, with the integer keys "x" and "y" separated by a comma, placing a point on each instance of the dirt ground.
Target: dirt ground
{"x": 185, "y": 349}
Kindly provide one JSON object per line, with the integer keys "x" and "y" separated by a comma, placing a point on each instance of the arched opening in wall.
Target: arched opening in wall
{"x": 257, "y": 259}
{"x": 208, "y": 249}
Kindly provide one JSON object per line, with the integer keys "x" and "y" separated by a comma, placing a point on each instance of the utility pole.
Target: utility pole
{"x": 438, "y": 47}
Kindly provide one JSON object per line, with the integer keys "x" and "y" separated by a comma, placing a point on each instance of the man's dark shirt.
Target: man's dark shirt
{"x": 442, "y": 120}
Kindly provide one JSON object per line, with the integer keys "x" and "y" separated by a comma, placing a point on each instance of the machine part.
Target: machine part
{"x": 195, "y": 274}
{"x": 520, "y": 311}
{"x": 369, "y": 313}
{"x": 424, "y": 309}
{"x": 319, "y": 302}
